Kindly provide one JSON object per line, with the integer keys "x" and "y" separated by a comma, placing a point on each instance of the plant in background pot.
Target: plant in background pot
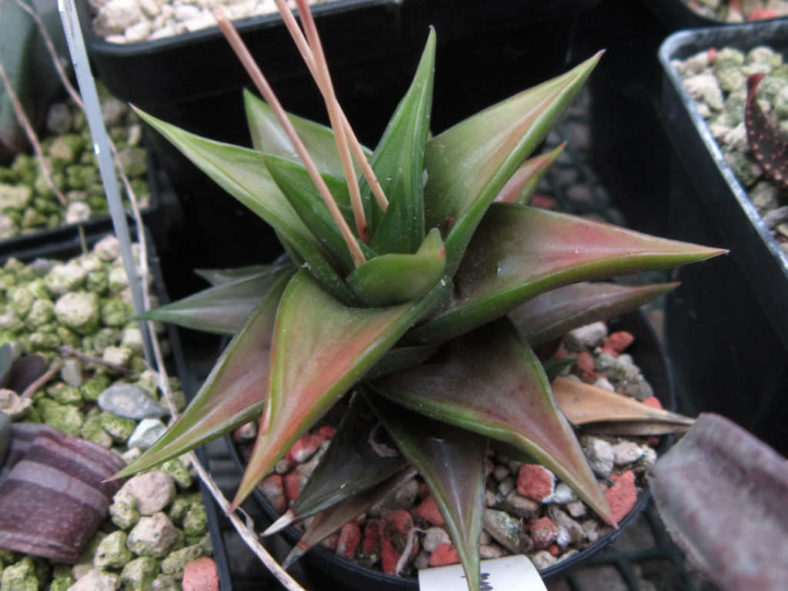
{"x": 399, "y": 286}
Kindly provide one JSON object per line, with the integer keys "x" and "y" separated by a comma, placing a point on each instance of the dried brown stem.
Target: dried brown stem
{"x": 260, "y": 81}
{"x": 68, "y": 351}
{"x": 42, "y": 379}
{"x": 31, "y": 136}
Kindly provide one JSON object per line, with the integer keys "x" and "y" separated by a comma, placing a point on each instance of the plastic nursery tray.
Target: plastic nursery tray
{"x": 72, "y": 247}
{"x": 719, "y": 192}
{"x": 346, "y": 575}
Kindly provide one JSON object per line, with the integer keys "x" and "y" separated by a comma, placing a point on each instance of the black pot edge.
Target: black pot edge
{"x": 767, "y": 276}
{"x": 656, "y": 368}
{"x": 73, "y": 247}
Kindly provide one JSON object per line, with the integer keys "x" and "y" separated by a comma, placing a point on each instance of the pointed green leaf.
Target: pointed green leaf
{"x": 453, "y": 463}
{"x": 491, "y": 383}
{"x": 519, "y": 252}
{"x": 321, "y": 349}
{"x": 233, "y": 393}
{"x": 391, "y": 279}
{"x": 551, "y": 315}
{"x": 330, "y": 520}
{"x": 269, "y": 137}
{"x": 400, "y": 358}
{"x": 295, "y": 183}
{"x": 223, "y": 309}
{"x": 522, "y": 185}
{"x": 221, "y": 276}
{"x": 242, "y": 173}
{"x": 351, "y": 464}
{"x": 398, "y": 163}
{"x": 469, "y": 163}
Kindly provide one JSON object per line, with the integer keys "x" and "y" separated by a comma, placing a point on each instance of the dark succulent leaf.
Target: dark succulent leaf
{"x": 241, "y": 172}
{"x": 491, "y": 383}
{"x": 519, "y": 252}
{"x": 269, "y": 137}
{"x": 721, "y": 495}
{"x": 233, "y": 393}
{"x": 551, "y": 315}
{"x": 604, "y": 411}
{"x": 26, "y": 370}
{"x": 520, "y": 188}
{"x": 223, "y": 309}
{"x": 470, "y": 163}
{"x": 350, "y": 465}
{"x": 398, "y": 163}
{"x": 768, "y": 144}
{"x": 400, "y": 358}
{"x": 321, "y": 348}
{"x": 392, "y": 279}
{"x": 221, "y": 276}
{"x": 453, "y": 463}
{"x": 554, "y": 367}
{"x": 295, "y": 183}
{"x": 330, "y": 520}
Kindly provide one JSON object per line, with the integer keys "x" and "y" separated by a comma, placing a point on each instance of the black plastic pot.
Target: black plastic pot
{"x": 72, "y": 247}
{"x": 728, "y": 329}
{"x": 346, "y": 575}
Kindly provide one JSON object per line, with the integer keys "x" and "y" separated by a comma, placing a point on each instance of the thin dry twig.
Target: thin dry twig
{"x": 31, "y": 135}
{"x": 42, "y": 379}
{"x": 69, "y": 351}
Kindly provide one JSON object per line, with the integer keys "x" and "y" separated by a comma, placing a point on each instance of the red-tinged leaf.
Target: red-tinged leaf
{"x": 352, "y": 463}
{"x": 321, "y": 349}
{"x": 490, "y": 382}
{"x": 223, "y": 309}
{"x": 469, "y": 164}
{"x": 392, "y": 279}
{"x": 452, "y": 462}
{"x": 522, "y": 185}
{"x": 768, "y": 144}
{"x": 604, "y": 411}
{"x": 333, "y": 518}
{"x": 398, "y": 163}
{"x": 519, "y": 252}
{"x": 221, "y": 276}
{"x": 269, "y": 137}
{"x": 233, "y": 393}
{"x": 242, "y": 173}
{"x": 551, "y": 315}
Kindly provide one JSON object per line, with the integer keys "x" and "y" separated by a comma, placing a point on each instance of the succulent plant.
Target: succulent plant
{"x": 405, "y": 288}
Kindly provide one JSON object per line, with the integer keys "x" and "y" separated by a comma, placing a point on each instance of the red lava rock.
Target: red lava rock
{"x": 200, "y": 575}
{"x": 585, "y": 363}
{"x": 349, "y": 539}
{"x": 428, "y": 511}
{"x": 757, "y": 14}
{"x": 622, "y": 495}
{"x": 327, "y": 432}
{"x": 616, "y": 342}
{"x": 535, "y": 482}
{"x": 272, "y": 488}
{"x": 370, "y": 544}
{"x": 652, "y": 401}
{"x": 543, "y": 532}
{"x": 245, "y": 432}
{"x": 292, "y": 485}
{"x": 393, "y": 537}
{"x": 543, "y": 201}
{"x": 554, "y": 549}
{"x": 444, "y": 554}
{"x": 305, "y": 448}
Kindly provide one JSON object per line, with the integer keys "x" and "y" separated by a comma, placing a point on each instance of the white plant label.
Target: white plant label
{"x": 512, "y": 573}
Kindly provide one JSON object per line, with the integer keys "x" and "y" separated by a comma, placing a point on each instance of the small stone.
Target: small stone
{"x": 165, "y": 583}
{"x": 146, "y": 433}
{"x": 65, "y": 418}
{"x": 599, "y": 454}
{"x": 64, "y": 278}
{"x": 504, "y": 528}
{"x": 175, "y": 563}
{"x": 117, "y": 356}
{"x": 626, "y": 452}
{"x": 71, "y": 372}
{"x": 14, "y": 196}
{"x": 181, "y": 505}
{"x": 349, "y": 540}
{"x": 621, "y": 497}
{"x": 591, "y": 530}
{"x": 429, "y": 512}
{"x": 542, "y": 559}
{"x": 131, "y": 402}
{"x": 115, "y": 16}
{"x": 501, "y": 472}
{"x": 272, "y": 488}
{"x": 403, "y": 497}
{"x": 195, "y": 523}
{"x": 604, "y": 383}
{"x": 112, "y": 552}
{"x": 153, "y": 491}
{"x": 153, "y": 536}
{"x": 248, "y": 432}
{"x": 65, "y": 394}
{"x": 13, "y": 405}
{"x": 78, "y": 311}
{"x": 93, "y": 431}
{"x": 178, "y": 471}
{"x": 543, "y": 532}
{"x": 704, "y": 88}
{"x": 563, "y": 494}
{"x": 107, "y": 249}
{"x": 119, "y": 428}
{"x": 395, "y": 527}
{"x": 201, "y": 575}
{"x": 76, "y": 211}
{"x": 305, "y": 448}
{"x": 293, "y": 482}
{"x": 123, "y": 510}
{"x": 617, "y": 342}
{"x": 587, "y": 337}
{"x": 444, "y": 554}
{"x": 566, "y": 525}
{"x": 434, "y": 537}
{"x": 20, "y": 576}
{"x": 576, "y": 509}
{"x": 138, "y": 575}
{"x": 535, "y": 482}
{"x": 59, "y": 119}
{"x": 520, "y": 505}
